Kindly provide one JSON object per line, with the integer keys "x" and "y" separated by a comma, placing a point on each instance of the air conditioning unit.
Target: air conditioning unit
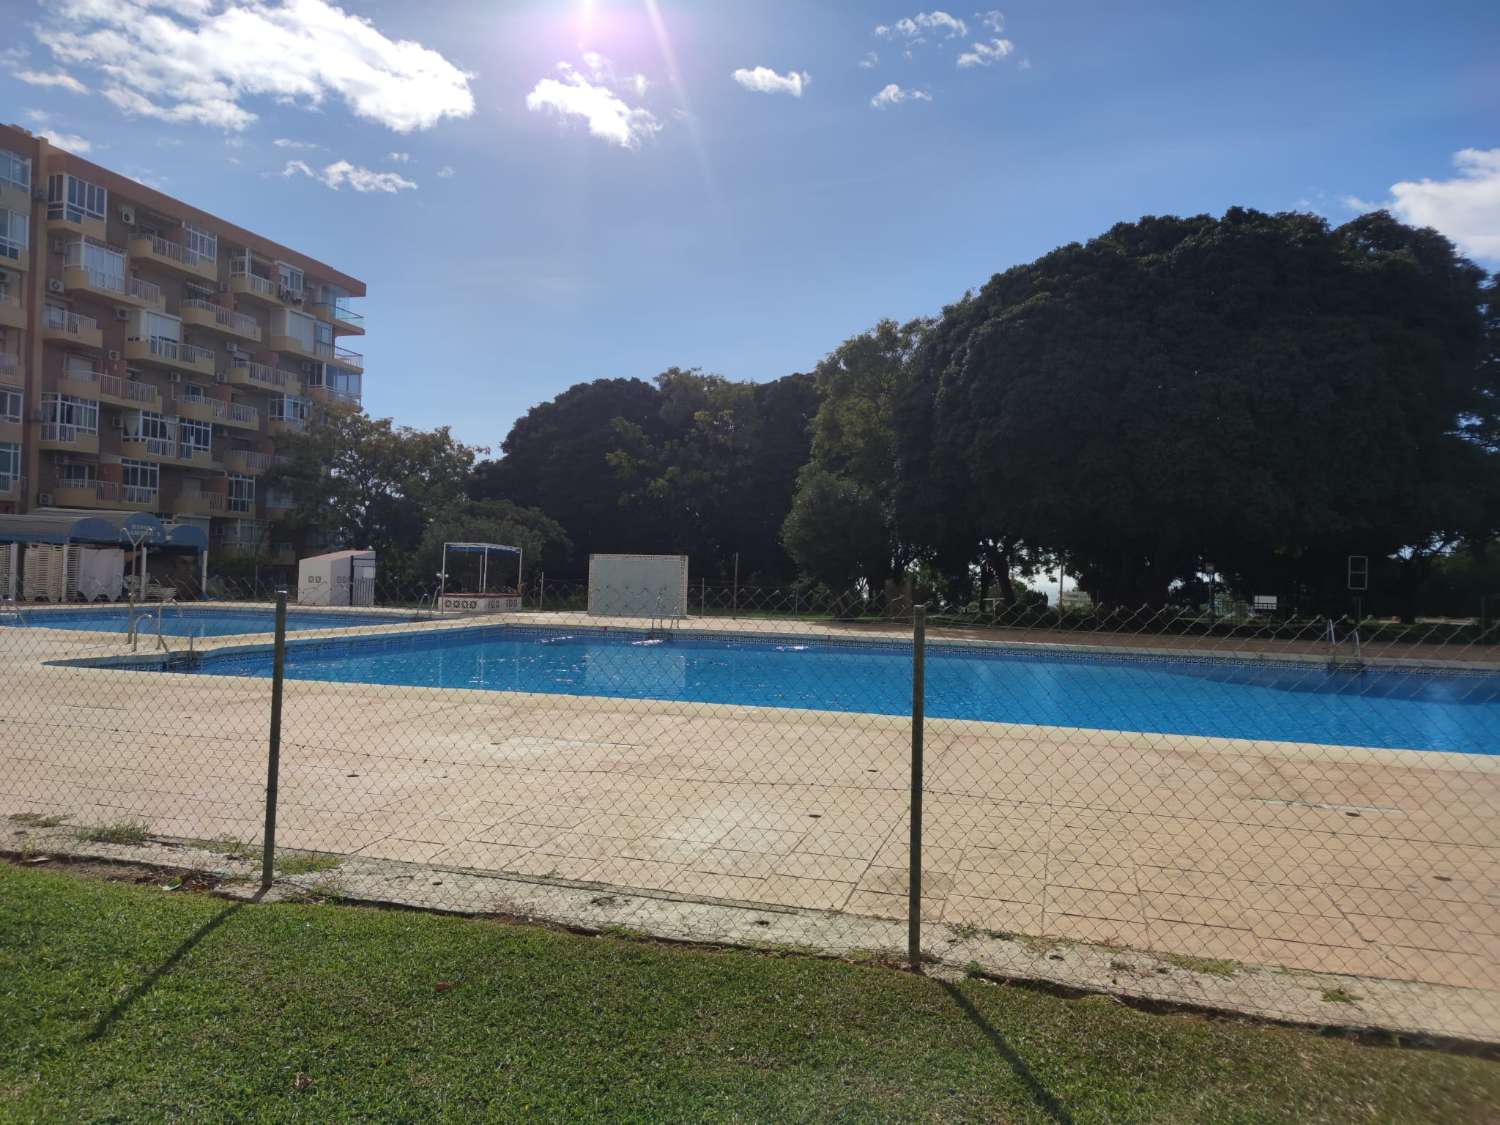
{"x": 114, "y": 354}
{"x": 307, "y": 367}
{"x": 117, "y": 422}
{"x": 122, "y": 313}
{"x": 39, "y": 195}
{"x": 127, "y": 216}
{"x": 174, "y": 377}
{"x": 55, "y": 285}
{"x": 59, "y": 245}
{"x": 39, "y": 415}
{"x": 44, "y": 499}
{"x": 220, "y": 378}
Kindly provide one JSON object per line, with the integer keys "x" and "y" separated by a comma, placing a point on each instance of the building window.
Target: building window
{"x": 289, "y": 408}
{"x": 15, "y": 168}
{"x": 105, "y": 267}
{"x": 77, "y": 474}
{"x": 73, "y": 199}
{"x": 148, "y": 425}
{"x": 10, "y": 463}
{"x": 67, "y": 412}
{"x": 200, "y": 244}
{"x": 342, "y": 384}
{"x": 139, "y": 480}
{"x": 10, "y": 405}
{"x": 300, "y": 328}
{"x": 289, "y": 278}
{"x": 13, "y": 234}
{"x": 241, "y": 494}
{"x": 194, "y": 437}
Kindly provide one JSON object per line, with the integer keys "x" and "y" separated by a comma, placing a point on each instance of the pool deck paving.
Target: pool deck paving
{"x": 1377, "y": 864}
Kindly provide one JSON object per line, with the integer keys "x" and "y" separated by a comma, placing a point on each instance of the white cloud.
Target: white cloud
{"x": 188, "y": 61}
{"x": 341, "y": 172}
{"x": 993, "y": 20}
{"x": 608, "y": 116}
{"x": 70, "y": 141}
{"x": 1466, "y": 208}
{"x": 286, "y": 142}
{"x": 917, "y": 27}
{"x": 398, "y": 157}
{"x": 764, "y": 80}
{"x": 869, "y": 61}
{"x": 445, "y": 172}
{"x": 895, "y": 95}
{"x": 983, "y": 54}
{"x": 57, "y": 78}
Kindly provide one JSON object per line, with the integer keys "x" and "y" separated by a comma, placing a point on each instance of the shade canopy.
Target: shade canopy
{"x": 108, "y": 529}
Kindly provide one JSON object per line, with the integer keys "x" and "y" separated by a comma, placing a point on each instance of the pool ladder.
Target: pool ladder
{"x": 1334, "y": 663}
{"x": 662, "y": 626}
{"x": 9, "y": 607}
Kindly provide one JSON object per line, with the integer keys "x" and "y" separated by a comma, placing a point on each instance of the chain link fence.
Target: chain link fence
{"x": 1297, "y": 818}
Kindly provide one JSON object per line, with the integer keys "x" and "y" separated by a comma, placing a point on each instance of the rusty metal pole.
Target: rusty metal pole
{"x": 914, "y": 875}
{"x": 273, "y": 758}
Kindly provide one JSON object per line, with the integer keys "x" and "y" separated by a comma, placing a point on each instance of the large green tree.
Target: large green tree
{"x": 366, "y": 482}
{"x": 1259, "y": 392}
{"x": 853, "y": 461}
{"x": 543, "y": 542}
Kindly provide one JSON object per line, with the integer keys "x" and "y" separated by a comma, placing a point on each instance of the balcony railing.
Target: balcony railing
{"x": 11, "y": 486}
{"x": 241, "y": 504}
{"x": 178, "y": 352}
{"x": 10, "y": 365}
{"x": 154, "y": 446}
{"x": 176, "y": 252}
{"x": 338, "y": 394}
{"x": 260, "y": 373}
{"x": 74, "y": 324}
{"x": 239, "y": 412}
{"x": 116, "y": 386}
{"x": 247, "y": 461}
{"x": 68, "y": 432}
{"x": 261, "y": 286}
{"x": 349, "y": 358}
{"x": 227, "y": 319}
{"x": 134, "y": 493}
{"x": 289, "y": 423}
{"x": 147, "y": 292}
{"x": 337, "y": 310}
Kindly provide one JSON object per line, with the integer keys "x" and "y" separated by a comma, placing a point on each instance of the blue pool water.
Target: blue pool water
{"x": 1404, "y": 708}
{"x": 198, "y": 621}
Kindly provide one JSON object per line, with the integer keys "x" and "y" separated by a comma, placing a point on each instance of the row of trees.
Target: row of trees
{"x": 1254, "y": 395}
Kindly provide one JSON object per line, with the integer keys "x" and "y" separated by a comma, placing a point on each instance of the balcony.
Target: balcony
{"x": 132, "y": 497}
{"x": 112, "y": 287}
{"x": 260, "y": 377}
{"x": 345, "y": 321}
{"x": 279, "y": 426}
{"x": 243, "y": 283}
{"x": 11, "y": 430}
{"x": 331, "y": 397}
{"x": 198, "y": 408}
{"x": 62, "y": 326}
{"x": 305, "y": 349}
{"x": 129, "y": 392}
{"x": 354, "y": 361}
{"x": 193, "y": 457}
{"x": 173, "y": 256}
{"x": 170, "y": 353}
{"x": 79, "y": 384}
{"x": 10, "y": 369}
{"x": 247, "y": 462}
{"x": 63, "y": 220}
{"x": 12, "y": 314}
{"x": 242, "y": 416}
{"x": 216, "y": 318}
{"x": 143, "y": 448}
{"x": 198, "y": 504}
{"x": 12, "y": 488}
{"x": 74, "y": 493}
{"x": 67, "y": 438}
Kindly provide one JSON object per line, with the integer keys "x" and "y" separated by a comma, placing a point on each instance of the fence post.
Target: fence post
{"x": 914, "y": 875}
{"x": 273, "y": 758}
{"x": 541, "y": 600}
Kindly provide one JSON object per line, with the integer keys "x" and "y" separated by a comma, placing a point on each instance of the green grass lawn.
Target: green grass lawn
{"x": 126, "y": 1002}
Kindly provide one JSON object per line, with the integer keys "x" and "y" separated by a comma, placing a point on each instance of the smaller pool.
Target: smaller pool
{"x": 200, "y": 621}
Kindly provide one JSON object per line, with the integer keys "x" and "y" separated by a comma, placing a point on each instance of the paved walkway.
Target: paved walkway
{"x": 1376, "y": 863}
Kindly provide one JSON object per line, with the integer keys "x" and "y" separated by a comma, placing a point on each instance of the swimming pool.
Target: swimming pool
{"x": 1403, "y": 708}
{"x": 198, "y": 621}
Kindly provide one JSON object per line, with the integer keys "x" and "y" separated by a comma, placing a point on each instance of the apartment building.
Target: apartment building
{"x": 151, "y": 353}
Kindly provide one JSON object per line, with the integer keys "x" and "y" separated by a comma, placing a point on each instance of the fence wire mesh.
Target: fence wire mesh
{"x": 1292, "y": 817}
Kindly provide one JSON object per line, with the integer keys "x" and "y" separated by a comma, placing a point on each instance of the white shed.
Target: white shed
{"x": 337, "y": 578}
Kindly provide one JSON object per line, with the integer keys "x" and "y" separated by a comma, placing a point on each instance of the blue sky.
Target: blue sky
{"x": 542, "y": 193}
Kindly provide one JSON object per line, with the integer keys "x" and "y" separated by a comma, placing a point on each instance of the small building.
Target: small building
{"x": 337, "y": 578}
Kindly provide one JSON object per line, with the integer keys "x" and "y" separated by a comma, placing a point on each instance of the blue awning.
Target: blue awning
{"x": 110, "y": 529}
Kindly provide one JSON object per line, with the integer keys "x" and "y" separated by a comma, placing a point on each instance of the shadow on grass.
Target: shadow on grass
{"x": 123, "y": 1004}
{"x": 1039, "y": 1093}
